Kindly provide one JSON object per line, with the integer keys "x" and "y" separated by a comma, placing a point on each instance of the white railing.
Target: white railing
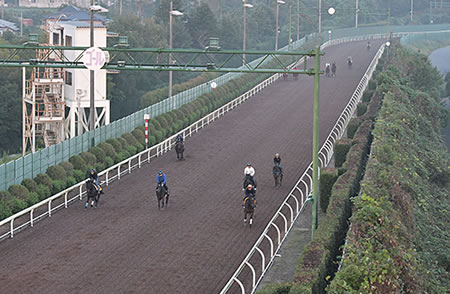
{"x": 115, "y": 172}
{"x": 299, "y": 194}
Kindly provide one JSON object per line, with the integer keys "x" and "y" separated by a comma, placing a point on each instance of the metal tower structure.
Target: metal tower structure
{"x": 43, "y": 103}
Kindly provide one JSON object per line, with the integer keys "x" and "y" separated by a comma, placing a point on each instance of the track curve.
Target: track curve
{"x": 194, "y": 246}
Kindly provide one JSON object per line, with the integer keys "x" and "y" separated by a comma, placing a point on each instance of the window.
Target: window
{"x": 55, "y": 39}
{"x": 68, "y": 41}
{"x": 68, "y": 78}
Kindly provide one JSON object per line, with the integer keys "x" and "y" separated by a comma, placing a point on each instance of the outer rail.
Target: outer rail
{"x": 302, "y": 188}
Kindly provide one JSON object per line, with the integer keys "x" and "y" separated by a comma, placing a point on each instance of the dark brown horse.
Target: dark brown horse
{"x": 161, "y": 194}
{"x": 249, "y": 209}
{"x": 179, "y": 148}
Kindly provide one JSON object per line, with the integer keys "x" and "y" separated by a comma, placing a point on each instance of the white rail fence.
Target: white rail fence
{"x": 294, "y": 203}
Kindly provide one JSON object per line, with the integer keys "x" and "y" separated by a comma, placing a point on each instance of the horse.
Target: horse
{"x": 349, "y": 62}
{"x": 327, "y": 70}
{"x": 93, "y": 194}
{"x": 285, "y": 76}
{"x": 295, "y": 74}
{"x": 249, "y": 209}
{"x": 161, "y": 194}
{"x": 249, "y": 180}
{"x": 179, "y": 148}
{"x": 333, "y": 70}
{"x": 277, "y": 175}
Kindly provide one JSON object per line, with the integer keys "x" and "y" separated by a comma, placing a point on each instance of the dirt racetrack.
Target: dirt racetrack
{"x": 195, "y": 245}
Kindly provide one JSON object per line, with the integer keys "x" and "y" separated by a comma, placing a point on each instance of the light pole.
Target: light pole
{"x": 330, "y": 11}
{"x": 93, "y": 8}
{"x": 298, "y": 20}
{"x": 412, "y": 10}
{"x": 276, "y": 24}
{"x": 246, "y": 5}
{"x": 172, "y": 13}
{"x": 356, "y": 14}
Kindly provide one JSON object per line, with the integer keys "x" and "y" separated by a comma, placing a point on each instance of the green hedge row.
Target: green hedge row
{"x": 399, "y": 242}
{"x": 113, "y": 151}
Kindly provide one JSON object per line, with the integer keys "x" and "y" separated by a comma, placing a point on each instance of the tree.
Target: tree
{"x": 202, "y": 25}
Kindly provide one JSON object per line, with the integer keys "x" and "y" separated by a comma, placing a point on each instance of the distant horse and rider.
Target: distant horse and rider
{"x": 94, "y": 189}
{"x": 277, "y": 170}
{"x": 333, "y": 69}
{"x": 349, "y": 62}
{"x": 179, "y": 147}
{"x": 249, "y": 208}
{"x": 162, "y": 191}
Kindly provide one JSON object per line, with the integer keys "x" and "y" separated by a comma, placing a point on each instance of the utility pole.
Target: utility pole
{"x": 412, "y": 10}
{"x": 356, "y": 14}
{"x": 320, "y": 16}
{"x": 298, "y": 20}
{"x": 92, "y": 76}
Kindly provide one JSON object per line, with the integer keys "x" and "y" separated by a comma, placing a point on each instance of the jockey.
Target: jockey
{"x": 161, "y": 178}
{"x": 179, "y": 138}
{"x": 93, "y": 176}
{"x": 277, "y": 161}
{"x": 368, "y": 45}
{"x": 349, "y": 60}
{"x": 249, "y": 170}
{"x": 250, "y": 192}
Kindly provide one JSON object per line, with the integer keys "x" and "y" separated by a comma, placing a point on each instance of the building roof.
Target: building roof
{"x": 8, "y": 25}
{"x": 72, "y": 13}
{"x": 82, "y": 24}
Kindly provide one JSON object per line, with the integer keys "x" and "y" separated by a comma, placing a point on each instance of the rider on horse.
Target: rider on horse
{"x": 249, "y": 172}
{"x": 92, "y": 192}
{"x": 93, "y": 176}
{"x": 277, "y": 162}
{"x": 333, "y": 69}
{"x": 179, "y": 138}
{"x": 250, "y": 192}
{"x": 162, "y": 179}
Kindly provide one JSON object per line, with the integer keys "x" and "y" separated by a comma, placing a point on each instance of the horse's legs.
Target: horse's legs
{"x": 167, "y": 199}
{"x": 251, "y": 219}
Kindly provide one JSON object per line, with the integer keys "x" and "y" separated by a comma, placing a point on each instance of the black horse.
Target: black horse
{"x": 349, "y": 62}
{"x": 277, "y": 175}
{"x": 327, "y": 70}
{"x": 249, "y": 209}
{"x": 161, "y": 194}
{"x": 179, "y": 148}
{"x": 249, "y": 180}
{"x": 333, "y": 70}
{"x": 93, "y": 194}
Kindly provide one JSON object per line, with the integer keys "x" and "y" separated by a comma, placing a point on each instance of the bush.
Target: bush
{"x": 139, "y": 135}
{"x": 340, "y": 151}
{"x": 116, "y": 145}
{"x": 5, "y": 195}
{"x": 19, "y": 191}
{"x": 139, "y": 147}
{"x": 58, "y": 186}
{"x": 32, "y": 199}
{"x": 68, "y": 167}
{"x": 130, "y": 139}
{"x": 275, "y": 288}
{"x": 89, "y": 158}
{"x": 56, "y": 172}
{"x": 107, "y": 148}
{"x": 108, "y": 162}
{"x": 123, "y": 143}
{"x": 158, "y": 136}
{"x": 132, "y": 150}
{"x": 16, "y": 204}
{"x": 44, "y": 179}
{"x": 30, "y": 184}
{"x": 98, "y": 153}
{"x": 79, "y": 175}
{"x": 327, "y": 179}
{"x": 70, "y": 181}
{"x": 367, "y": 95}
{"x": 99, "y": 167}
{"x": 78, "y": 162}
{"x": 372, "y": 84}
{"x": 361, "y": 108}
{"x": 5, "y": 211}
{"x": 121, "y": 156}
{"x": 43, "y": 192}
{"x": 353, "y": 125}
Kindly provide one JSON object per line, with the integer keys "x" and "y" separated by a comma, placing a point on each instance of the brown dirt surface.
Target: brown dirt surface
{"x": 195, "y": 245}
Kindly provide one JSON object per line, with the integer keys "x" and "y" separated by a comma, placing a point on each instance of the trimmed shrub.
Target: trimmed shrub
{"x": 158, "y": 136}
{"x": 99, "y": 167}
{"x": 107, "y": 148}
{"x": 123, "y": 143}
{"x": 43, "y": 192}
{"x": 275, "y": 288}
{"x": 70, "y": 181}
{"x": 56, "y": 172}
{"x": 130, "y": 139}
{"x": 78, "y": 162}
{"x": 139, "y": 147}
{"x": 30, "y": 184}
{"x": 372, "y": 84}
{"x": 16, "y": 204}
{"x": 108, "y": 162}
{"x": 341, "y": 148}
{"x": 5, "y": 195}
{"x": 44, "y": 179}
{"x": 5, "y": 211}
{"x": 367, "y": 95}
{"x": 353, "y": 125}
{"x": 58, "y": 186}
{"x": 151, "y": 141}
{"x": 121, "y": 156}
{"x": 139, "y": 135}
{"x": 89, "y": 158}
{"x": 32, "y": 199}
{"x": 116, "y": 145}
{"x": 68, "y": 167}
{"x": 79, "y": 175}
{"x": 131, "y": 150}
{"x": 327, "y": 179}
{"x": 361, "y": 108}
{"x": 19, "y": 191}
{"x": 98, "y": 153}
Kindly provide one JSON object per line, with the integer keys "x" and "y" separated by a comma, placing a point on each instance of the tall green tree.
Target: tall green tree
{"x": 202, "y": 25}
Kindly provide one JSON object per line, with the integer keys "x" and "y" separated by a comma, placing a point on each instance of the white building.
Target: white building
{"x": 77, "y": 81}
